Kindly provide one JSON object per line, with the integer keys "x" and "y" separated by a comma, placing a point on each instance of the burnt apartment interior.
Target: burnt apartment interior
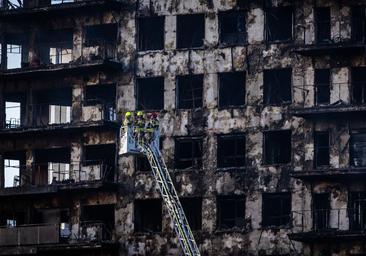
{"x": 283, "y": 178}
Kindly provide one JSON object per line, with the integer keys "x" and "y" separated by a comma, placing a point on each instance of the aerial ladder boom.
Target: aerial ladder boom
{"x": 132, "y": 143}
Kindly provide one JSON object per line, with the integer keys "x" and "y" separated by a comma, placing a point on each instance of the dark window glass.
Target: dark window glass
{"x": 190, "y": 89}
{"x": 190, "y": 30}
{"x": 231, "y": 151}
{"x": 321, "y": 211}
{"x": 151, "y": 33}
{"x": 232, "y": 28}
{"x": 321, "y": 149}
{"x": 358, "y": 85}
{"x": 277, "y": 86}
{"x": 231, "y": 89}
{"x": 188, "y": 153}
{"x": 150, "y": 93}
{"x": 358, "y": 149}
{"x": 276, "y": 209}
{"x": 99, "y": 34}
{"x": 322, "y": 24}
{"x": 279, "y": 24}
{"x": 230, "y": 212}
{"x": 277, "y": 147}
{"x": 358, "y": 28}
{"x": 322, "y": 83}
{"x": 148, "y": 215}
{"x": 193, "y": 210}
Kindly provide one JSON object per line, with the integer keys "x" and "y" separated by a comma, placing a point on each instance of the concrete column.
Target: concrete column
{"x": 2, "y": 172}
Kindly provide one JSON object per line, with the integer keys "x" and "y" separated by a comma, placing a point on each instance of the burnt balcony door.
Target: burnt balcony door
{"x": 321, "y": 210}
{"x": 357, "y": 211}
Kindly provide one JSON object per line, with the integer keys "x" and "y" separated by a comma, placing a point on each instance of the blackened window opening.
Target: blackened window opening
{"x": 276, "y": 209}
{"x": 190, "y": 89}
{"x": 277, "y": 147}
{"x": 358, "y": 85}
{"x": 232, "y": 28}
{"x": 322, "y": 84}
{"x": 321, "y": 211}
{"x": 322, "y": 24}
{"x": 357, "y": 210}
{"x": 148, "y": 215}
{"x": 230, "y": 212}
{"x": 151, "y": 33}
{"x": 231, "y": 151}
{"x": 358, "y": 149}
{"x": 150, "y": 93}
{"x": 142, "y": 164}
{"x": 188, "y": 153}
{"x": 279, "y": 24}
{"x": 100, "y": 34}
{"x": 231, "y": 89}
{"x": 100, "y": 94}
{"x": 358, "y": 27}
{"x": 193, "y": 210}
{"x": 321, "y": 141}
{"x": 277, "y": 86}
{"x": 190, "y": 30}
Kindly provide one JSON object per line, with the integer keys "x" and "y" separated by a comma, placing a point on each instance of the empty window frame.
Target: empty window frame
{"x": 357, "y": 210}
{"x": 279, "y": 22}
{"x": 277, "y": 86}
{"x": 151, "y": 33}
{"x": 193, "y": 210}
{"x": 98, "y": 218}
{"x": 276, "y": 209}
{"x": 232, "y": 28}
{"x": 322, "y": 86}
{"x": 13, "y": 165}
{"x": 231, "y": 151}
{"x": 321, "y": 143}
{"x": 190, "y": 30}
{"x": 150, "y": 93}
{"x": 358, "y": 26}
{"x": 230, "y": 212}
{"x": 148, "y": 215}
{"x": 56, "y": 46}
{"x": 98, "y": 154}
{"x": 12, "y": 114}
{"x": 277, "y": 147}
{"x": 322, "y": 24}
{"x": 188, "y": 152}
{"x": 142, "y": 164}
{"x": 100, "y": 34}
{"x": 190, "y": 90}
{"x": 358, "y": 76}
{"x": 358, "y": 148}
{"x": 321, "y": 211}
{"x": 231, "y": 89}
{"x": 11, "y": 4}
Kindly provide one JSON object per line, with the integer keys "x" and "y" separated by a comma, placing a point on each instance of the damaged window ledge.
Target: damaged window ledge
{"x": 276, "y": 228}
{"x": 204, "y": 47}
{"x": 232, "y": 45}
{"x": 232, "y": 169}
{"x": 231, "y": 230}
{"x": 188, "y": 170}
{"x": 147, "y": 52}
{"x": 150, "y": 233}
{"x": 229, "y": 108}
{"x": 288, "y": 42}
{"x": 278, "y": 165}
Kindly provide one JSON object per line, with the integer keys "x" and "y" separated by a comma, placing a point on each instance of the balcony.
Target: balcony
{"x": 329, "y": 225}
{"x": 337, "y": 100}
{"x": 331, "y": 174}
{"x": 52, "y": 237}
{"x": 17, "y": 11}
{"x": 51, "y": 178}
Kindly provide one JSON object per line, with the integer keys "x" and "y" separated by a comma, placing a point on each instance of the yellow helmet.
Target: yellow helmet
{"x": 128, "y": 114}
{"x": 140, "y": 113}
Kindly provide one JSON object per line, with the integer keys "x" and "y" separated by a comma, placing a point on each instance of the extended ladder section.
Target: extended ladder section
{"x": 150, "y": 148}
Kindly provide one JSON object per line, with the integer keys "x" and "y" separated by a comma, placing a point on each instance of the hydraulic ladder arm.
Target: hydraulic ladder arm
{"x": 165, "y": 185}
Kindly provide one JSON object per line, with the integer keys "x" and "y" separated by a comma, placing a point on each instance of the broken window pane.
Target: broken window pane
{"x": 232, "y": 28}
{"x": 321, "y": 149}
{"x": 321, "y": 211}
{"x": 279, "y": 24}
{"x": 358, "y": 27}
{"x": 151, "y": 33}
{"x": 12, "y": 173}
{"x": 358, "y": 85}
{"x": 148, "y": 215}
{"x": 12, "y": 114}
{"x": 277, "y": 147}
{"x": 190, "y": 30}
{"x": 322, "y": 24}
{"x": 188, "y": 153}
{"x": 14, "y": 56}
{"x": 231, "y": 151}
{"x": 190, "y": 89}
{"x": 230, "y": 212}
{"x": 277, "y": 86}
{"x": 358, "y": 149}
{"x": 276, "y": 209}
{"x": 322, "y": 83}
{"x": 150, "y": 93}
{"x": 357, "y": 208}
{"x": 193, "y": 210}
{"x": 231, "y": 89}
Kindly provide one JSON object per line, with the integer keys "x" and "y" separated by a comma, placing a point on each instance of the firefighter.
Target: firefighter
{"x": 140, "y": 126}
{"x": 128, "y": 119}
{"x": 149, "y": 127}
{"x": 155, "y": 121}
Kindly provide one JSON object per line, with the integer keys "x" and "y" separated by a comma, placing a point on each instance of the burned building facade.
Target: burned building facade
{"x": 262, "y": 116}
